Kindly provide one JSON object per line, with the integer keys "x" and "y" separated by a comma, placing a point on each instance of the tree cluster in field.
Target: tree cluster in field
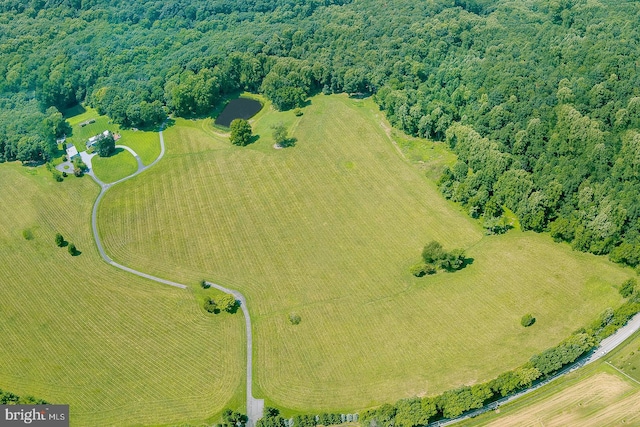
{"x": 226, "y": 302}
{"x": 416, "y": 411}
{"x": 272, "y": 418}
{"x": 232, "y": 418}
{"x": 8, "y": 398}
{"x": 324, "y": 419}
{"x": 56, "y": 174}
{"x": 435, "y": 257}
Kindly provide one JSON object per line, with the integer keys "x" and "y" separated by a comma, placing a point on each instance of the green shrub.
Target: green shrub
{"x": 72, "y": 249}
{"x": 27, "y": 234}
{"x": 59, "y": 240}
{"x": 294, "y": 318}
{"x": 204, "y": 284}
{"x": 56, "y": 175}
{"x": 210, "y": 305}
{"x": 420, "y": 269}
{"x": 297, "y": 112}
{"x": 527, "y": 320}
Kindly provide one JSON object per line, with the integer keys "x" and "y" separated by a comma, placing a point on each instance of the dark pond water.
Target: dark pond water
{"x": 241, "y": 108}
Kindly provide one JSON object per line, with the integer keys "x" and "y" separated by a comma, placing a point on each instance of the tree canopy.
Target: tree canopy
{"x": 539, "y": 100}
{"x": 240, "y": 132}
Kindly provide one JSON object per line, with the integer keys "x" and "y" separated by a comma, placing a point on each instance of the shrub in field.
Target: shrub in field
{"x": 204, "y": 284}
{"x": 27, "y": 234}
{"x": 72, "y": 249}
{"x": 420, "y": 269}
{"x": 210, "y": 305}
{"x": 59, "y": 240}
{"x": 294, "y": 318}
{"x": 527, "y": 320}
{"x": 56, "y": 175}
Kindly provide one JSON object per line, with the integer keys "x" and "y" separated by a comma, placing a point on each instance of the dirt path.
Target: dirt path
{"x": 255, "y": 407}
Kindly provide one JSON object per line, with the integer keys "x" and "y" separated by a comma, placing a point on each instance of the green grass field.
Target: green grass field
{"x": 117, "y": 166}
{"x": 119, "y": 349}
{"x": 597, "y": 395}
{"x": 328, "y": 229}
{"x": 145, "y": 143}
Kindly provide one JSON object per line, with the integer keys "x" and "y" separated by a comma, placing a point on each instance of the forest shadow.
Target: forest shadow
{"x": 289, "y": 142}
{"x": 76, "y": 110}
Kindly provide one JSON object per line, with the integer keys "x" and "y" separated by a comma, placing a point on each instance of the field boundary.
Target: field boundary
{"x": 606, "y": 346}
{"x": 623, "y": 373}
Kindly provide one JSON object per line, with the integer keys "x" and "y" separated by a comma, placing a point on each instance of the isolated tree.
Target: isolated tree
{"x": 59, "y": 240}
{"x": 527, "y": 320}
{"x": 240, "y": 132}
{"x": 72, "y": 249}
{"x": 106, "y": 145}
{"x": 280, "y": 134}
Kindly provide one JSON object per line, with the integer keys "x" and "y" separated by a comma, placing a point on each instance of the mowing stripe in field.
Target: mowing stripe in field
{"x": 329, "y": 229}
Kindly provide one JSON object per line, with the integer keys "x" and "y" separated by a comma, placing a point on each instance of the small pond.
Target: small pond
{"x": 240, "y": 108}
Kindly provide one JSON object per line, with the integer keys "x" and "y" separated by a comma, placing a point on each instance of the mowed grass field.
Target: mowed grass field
{"x": 117, "y": 166}
{"x": 328, "y": 229}
{"x": 597, "y": 395}
{"x": 120, "y": 350}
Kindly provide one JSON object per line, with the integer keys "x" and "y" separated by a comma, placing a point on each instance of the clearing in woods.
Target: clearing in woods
{"x": 119, "y": 349}
{"x": 145, "y": 143}
{"x": 328, "y": 229}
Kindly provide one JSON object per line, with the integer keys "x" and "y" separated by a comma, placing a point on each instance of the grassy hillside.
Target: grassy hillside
{"x": 117, "y": 166}
{"x": 598, "y": 395}
{"x": 328, "y": 229}
{"x": 119, "y": 349}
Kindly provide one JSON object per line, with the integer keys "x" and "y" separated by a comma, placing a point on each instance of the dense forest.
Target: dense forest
{"x": 539, "y": 99}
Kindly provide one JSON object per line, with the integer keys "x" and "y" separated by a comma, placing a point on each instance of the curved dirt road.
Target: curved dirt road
{"x": 254, "y": 406}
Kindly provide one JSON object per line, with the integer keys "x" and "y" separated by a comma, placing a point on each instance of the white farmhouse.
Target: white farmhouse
{"x": 94, "y": 139}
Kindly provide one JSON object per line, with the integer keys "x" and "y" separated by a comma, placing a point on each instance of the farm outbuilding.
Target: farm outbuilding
{"x": 72, "y": 152}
